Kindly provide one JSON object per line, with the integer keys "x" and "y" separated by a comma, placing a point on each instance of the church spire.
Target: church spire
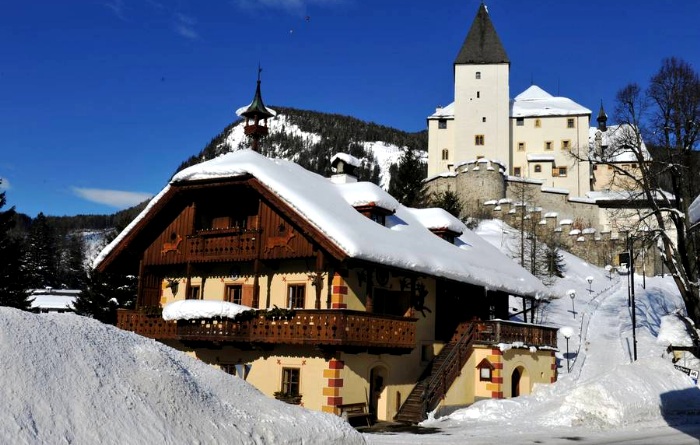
{"x": 257, "y": 112}
{"x": 482, "y": 44}
{"x": 602, "y": 118}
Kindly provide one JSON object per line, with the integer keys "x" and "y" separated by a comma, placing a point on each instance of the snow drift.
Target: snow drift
{"x": 70, "y": 379}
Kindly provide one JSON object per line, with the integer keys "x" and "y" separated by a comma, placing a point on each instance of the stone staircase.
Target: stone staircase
{"x": 437, "y": 378}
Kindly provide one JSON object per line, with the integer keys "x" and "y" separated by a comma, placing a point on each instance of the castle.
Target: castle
{"x": 535, "y": 153}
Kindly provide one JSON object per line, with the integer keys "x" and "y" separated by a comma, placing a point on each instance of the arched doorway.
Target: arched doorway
{"x": 519, "y": 382}
{"x": 378, "y": 393}
{"x": 515, "y": 383}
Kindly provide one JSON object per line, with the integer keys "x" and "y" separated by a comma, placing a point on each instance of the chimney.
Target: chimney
{"x": 343, "y": 166}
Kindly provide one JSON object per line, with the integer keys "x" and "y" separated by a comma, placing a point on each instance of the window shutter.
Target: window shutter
{"x": 247, "y": 296}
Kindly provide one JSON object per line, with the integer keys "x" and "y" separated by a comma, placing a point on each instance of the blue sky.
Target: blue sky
{"x": 101, "y": 100}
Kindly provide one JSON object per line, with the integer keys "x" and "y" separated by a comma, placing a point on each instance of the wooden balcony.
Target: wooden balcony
{"x": 221, "y": 244}
{"x": 500, "y": 331}
{"x": 341, "y": 329}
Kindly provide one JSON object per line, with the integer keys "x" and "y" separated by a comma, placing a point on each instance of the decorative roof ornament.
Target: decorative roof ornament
{"x": 602, "y": 118}
{"x": 258, "y": 113}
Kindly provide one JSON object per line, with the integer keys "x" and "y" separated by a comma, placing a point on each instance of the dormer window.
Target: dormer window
{"x": 378, "y": 218}
{"x": 446, "y": 234}
{"x": 375, "y": 213}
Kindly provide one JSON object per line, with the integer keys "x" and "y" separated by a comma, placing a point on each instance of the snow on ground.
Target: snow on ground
{"x": 70, "y": 379}
{"x": 606, "y": 396}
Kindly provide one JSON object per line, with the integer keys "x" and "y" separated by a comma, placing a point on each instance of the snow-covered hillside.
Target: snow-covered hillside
{"x": 386, "y": 154}
{"x": 70, "y": 379}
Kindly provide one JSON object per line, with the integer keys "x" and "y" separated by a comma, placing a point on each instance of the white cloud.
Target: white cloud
{"x": 4, "y": 184}
{"x": 184, "y": 25}
{"x": 113, "y": 198}
{"x": 117, "y": 7}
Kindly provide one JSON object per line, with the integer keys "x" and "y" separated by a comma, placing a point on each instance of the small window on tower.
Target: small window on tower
{"x": 521, "y": 146}
{"x": 565, "y": 145}
{"x": 538, "y": 123}
{"x": 479, "y": 139}
{"x": 516, "y": 171}
{"x": 442, "y": 124}
{"x": 445, "y": 154}
{"x": 478, "y": 94}
{"x": 538, "y": 168}
{"x": 570, "y": 123}
{"x": 520, "y": 121}
{"x": 478, "y": 74}
{"x": 548, "y": 145}
{"x": 483, "y": 119}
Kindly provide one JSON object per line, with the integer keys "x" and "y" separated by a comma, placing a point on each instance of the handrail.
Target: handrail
{"x": 438, "y": 378}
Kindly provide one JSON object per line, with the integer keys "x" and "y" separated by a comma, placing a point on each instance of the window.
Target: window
{"x": 442, "y": 124}
{"x": 520, "y": 121}
{"x": 234, "y": 293}
{"x": 377, "y": 217}
{"x": 538, "y": 168}
{"x": 548, "y": 145}
{"x": 228, "y": 368}
{"x": 538, "y": 123}
{"x": 478, "y": 74}
{"x": 478, "y": 94}
{"x": 521, "y": 146}
{"x": 445, "y": 154}
{"x": 485, "y": 374}
{"x": 565, "y": 144}
{"x": 194, "y": 293}
{"x": 516, "y": 171}
{"x": 483, "y": 119}
{"x": 479, "y": 139}
{"x": 570, "y": 123}
{"x": 295, "y": 293}
{"x": 562, "y": 171}
{"x": 290, "y": 381}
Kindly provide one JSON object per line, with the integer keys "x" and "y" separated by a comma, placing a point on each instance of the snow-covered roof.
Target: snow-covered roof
{"x": 243, "y": 109}
{"x": 534, "y": 157}
{"x": 617, "y": 139}
{"x": 52, "y": 302}
{"x": 194, "y": 309}
{"x": 447, "y": 112}
{"x": 403, "y": 243}
{"x": 347, "y": 158}
{"x": 535, "y": 102}
{"x": 437, "y": 219}
{"x": 694, "y": 212}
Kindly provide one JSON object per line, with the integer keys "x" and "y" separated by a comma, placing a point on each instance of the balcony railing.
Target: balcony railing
{"x": 499, "y": 331}
{"x": 333, "y": 327}
{"x": 216, "y": 244}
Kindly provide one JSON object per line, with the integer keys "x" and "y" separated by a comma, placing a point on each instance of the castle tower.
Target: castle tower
{"x": 602, "y": 119}
{"x": 481, "y": 108}
{"x": 476, "y": 124}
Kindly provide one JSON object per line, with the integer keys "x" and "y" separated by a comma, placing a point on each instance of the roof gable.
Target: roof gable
{"x": 482, "y": 44}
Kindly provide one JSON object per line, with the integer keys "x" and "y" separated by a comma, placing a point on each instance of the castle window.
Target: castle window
{"x": 520, "y": 121}
{"x": 565, "y": 145}
{"x": 479, "y": 139}
{"x": 296, "y": 293}
{"x": 548, "y": 145}
{"x": 562, "y": 171}
{"x": 570, "y": 123}
{"x": 445, "y": 154}
{"x": 478, "y": 94}
{"x": 538, "y": 123}
{"x": 478, "y": 74}
{"x": 442, "y": 124}
{"x": 521, "y": 146}
{"x": 516, "y": 171}
{"x": 538, "y": 168}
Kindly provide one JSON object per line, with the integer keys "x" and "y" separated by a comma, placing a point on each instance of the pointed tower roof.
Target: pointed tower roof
{"x": 257, "y": 107}
{"x": 482, "y": 44}
{"x": 602, "y": 118}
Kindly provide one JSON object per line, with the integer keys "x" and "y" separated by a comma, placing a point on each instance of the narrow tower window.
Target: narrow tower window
{"x": 478, "y": 74}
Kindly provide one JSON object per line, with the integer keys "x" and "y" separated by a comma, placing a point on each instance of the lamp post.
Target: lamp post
{"x": 608, "y": 269}
{"x": 567, "y": 332}
{"x": 572, "y": 295}
{"x": 590, "y": 283}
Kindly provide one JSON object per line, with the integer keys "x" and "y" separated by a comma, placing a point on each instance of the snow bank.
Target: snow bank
{"x": 70, "y": 379}
{"x": 195, "y": 309}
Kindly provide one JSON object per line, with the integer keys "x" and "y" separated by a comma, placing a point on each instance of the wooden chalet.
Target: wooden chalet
{"x": 355, "y": 299}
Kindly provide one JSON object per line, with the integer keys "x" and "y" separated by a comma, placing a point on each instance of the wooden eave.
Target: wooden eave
{"x": 374, "y": 208}
{"x": 178, "y": 190}
{"x": 445, "y": 231}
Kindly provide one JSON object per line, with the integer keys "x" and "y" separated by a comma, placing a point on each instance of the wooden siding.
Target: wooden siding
{"x": 280, "y": 239}
{"x": 170, "y": 246}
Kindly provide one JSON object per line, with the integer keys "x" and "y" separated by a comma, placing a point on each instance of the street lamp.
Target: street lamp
{"x": 572, "y": 295}
{"x": 567, "y": 332}
{"x": 590, "y": 283}
{"x": 608, "y": 269}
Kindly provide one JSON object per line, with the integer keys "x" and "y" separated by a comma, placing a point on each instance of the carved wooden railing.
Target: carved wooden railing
{"x": 500, "y": 331}
{"x": 330, "y": 327}
{"x": 222, "y": 244}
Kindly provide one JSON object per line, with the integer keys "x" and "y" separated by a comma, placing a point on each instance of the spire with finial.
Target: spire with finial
{"x": 602, "y": 118}
{"x": 258, "y": 113}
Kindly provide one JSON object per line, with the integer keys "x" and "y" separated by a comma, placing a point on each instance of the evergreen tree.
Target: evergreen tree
{"x": 406, "y": 184}
{"x": 42, "y": 254}
{"x": 104, "y": 293}
{"x": 14, "y": 282}
{"x": 447, "y": 200}
{"x": 72, "y": 269}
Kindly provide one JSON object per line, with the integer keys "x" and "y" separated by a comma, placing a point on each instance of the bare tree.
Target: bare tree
{"x": 666, "y": 114}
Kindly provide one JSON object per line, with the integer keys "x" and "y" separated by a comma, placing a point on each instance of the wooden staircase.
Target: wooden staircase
{"x": 438, "y": 376}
